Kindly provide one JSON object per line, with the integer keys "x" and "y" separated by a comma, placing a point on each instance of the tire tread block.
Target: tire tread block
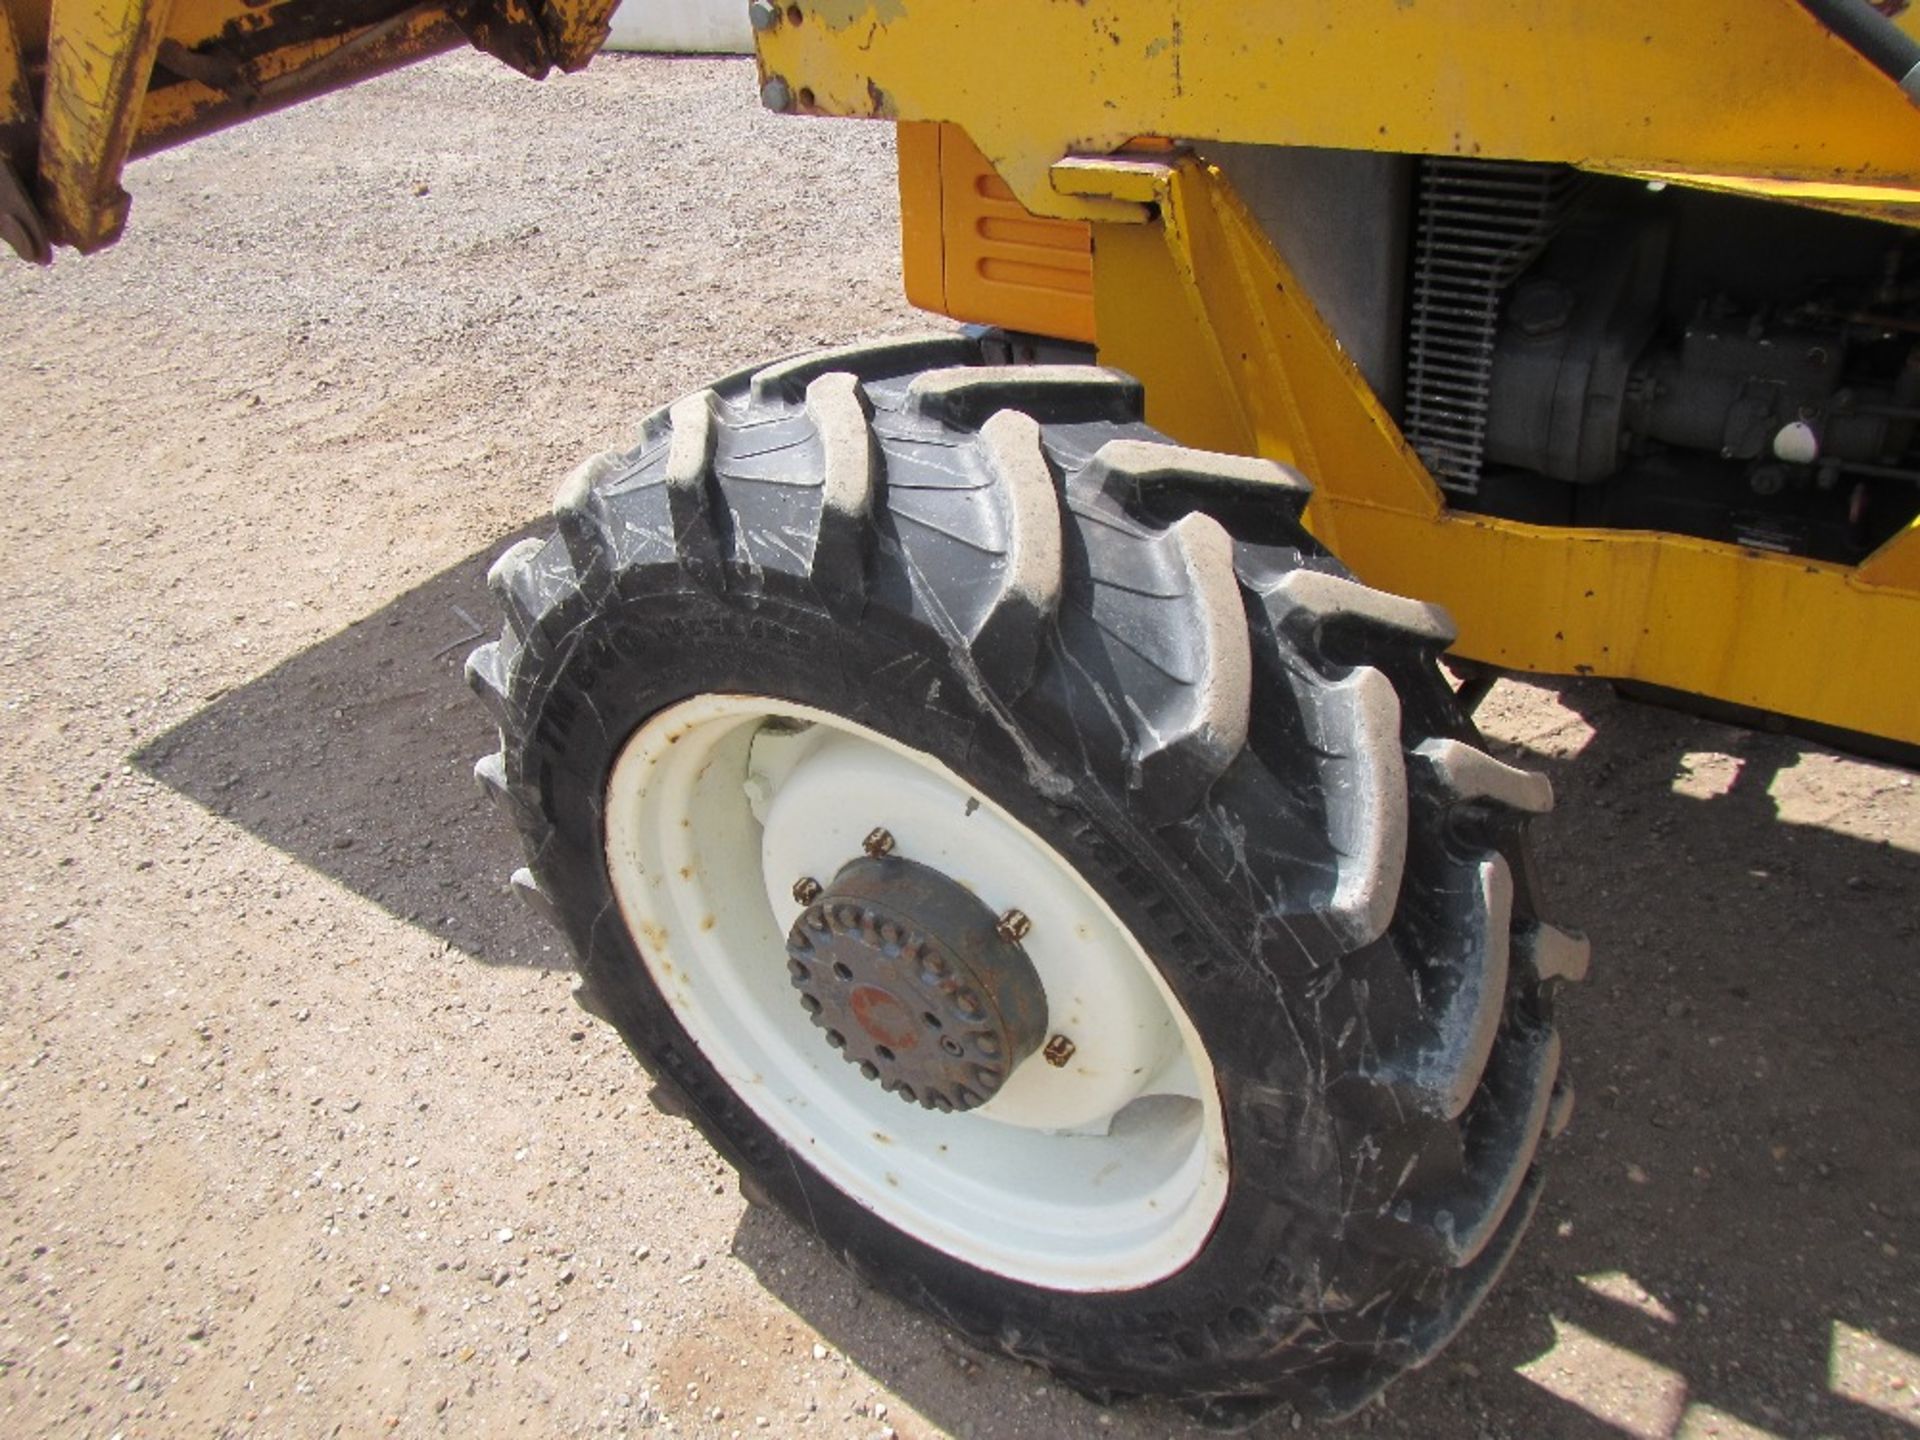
{"x": 1006, "y": 644}
{"x": 789, "y": 379}
{"x": 1140, "y": 473}
{"x": 850, "y": 478}
{"x": 965, "y": 396}
{"x": 527, "y": 888}
{"x": 1467, "y": 996}
{"x": 490, "y": 773}
{"x": 1503, "y": 1133}
{"x": 1551, "y": 953}
{"x": 1469, "y": 775}
{"x": 487, "y": 676}
{"x": 1353, "y": 730}
{"x": 1314, "y": 605}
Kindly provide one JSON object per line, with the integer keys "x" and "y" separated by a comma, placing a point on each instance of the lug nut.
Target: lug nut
{"x": 1013, "y": 926}
{"x": 1059, "y": 1050}
{"x": 879, "y": 843}
{"x": 806, "y": 890}
{"x": 763, "y": 14}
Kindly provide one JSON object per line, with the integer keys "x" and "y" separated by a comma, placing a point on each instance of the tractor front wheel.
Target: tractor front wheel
{"x": 1040, "y": 869}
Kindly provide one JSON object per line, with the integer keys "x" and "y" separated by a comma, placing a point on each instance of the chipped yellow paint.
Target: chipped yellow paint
{"x": 844, "y": 14}
{"x": 1709, "y": 87}
{"x": 17, "y": 114}
{"x": 1201, "y": 308}
{"x": 98, "y": 59}
{"x": 99, "y": 55}
{"x": 576, "y": 29}
{"x": 285, "y": 73}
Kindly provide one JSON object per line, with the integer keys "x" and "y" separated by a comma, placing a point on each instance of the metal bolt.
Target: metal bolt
{"x": 806, "y": 890}
{"x": 775, "y": 95}
{"x": 763, "y": 14}
{"x": 1059, "y": 1050}
{"x": 1013, "y": 926}
{"x": 879, "y": 843}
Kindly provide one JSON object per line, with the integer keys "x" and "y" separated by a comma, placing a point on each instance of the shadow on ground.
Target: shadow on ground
{"x": 356, "y": 758}
{"x": 1746, "y": 1154}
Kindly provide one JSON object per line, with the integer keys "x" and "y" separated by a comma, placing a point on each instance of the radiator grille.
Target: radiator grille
{"x": 1480, "y": 224}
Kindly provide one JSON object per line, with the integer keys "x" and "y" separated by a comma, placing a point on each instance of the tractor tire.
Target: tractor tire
{"x": 886, "y": 688}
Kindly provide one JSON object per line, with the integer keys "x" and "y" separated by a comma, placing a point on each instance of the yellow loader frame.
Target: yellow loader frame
{"x": 1030, "y": 202}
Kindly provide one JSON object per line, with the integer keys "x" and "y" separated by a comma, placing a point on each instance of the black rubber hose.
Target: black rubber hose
{"x": 1890, "y": 49}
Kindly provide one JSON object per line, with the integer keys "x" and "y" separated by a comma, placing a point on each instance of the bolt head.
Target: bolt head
{"x": 1014, "y": 926}
{"x": 806, "y": 890}
{"x": 776, "y": 95}
{"x": 1058, "y": 1051}
{"x": 879, "y": 842}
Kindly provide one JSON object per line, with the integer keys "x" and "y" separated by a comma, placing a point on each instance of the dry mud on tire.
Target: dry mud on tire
{"x": 300, "y": 1133}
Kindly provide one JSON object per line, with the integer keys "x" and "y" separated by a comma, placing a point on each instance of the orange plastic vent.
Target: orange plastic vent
{"x": 974, "y": 252}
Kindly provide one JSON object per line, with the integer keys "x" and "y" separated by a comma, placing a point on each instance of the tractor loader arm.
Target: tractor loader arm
{"x": 86, "y": 85}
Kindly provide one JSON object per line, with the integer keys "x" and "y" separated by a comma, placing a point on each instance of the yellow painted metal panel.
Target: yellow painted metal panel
{"x": 1152, "y": 323}
{"x": 576, "y": 29}
{"x": 1775, "y": 632}
{"x": 1201, "y": 307}
{"x": 1716, "y": 87}
{"x": 285, "y": 74}
{"x": 16, "y": 100}
{"x": 1896, "y": 563}
{"x": 99, "y": 55}
{"x": 18, "y": 117}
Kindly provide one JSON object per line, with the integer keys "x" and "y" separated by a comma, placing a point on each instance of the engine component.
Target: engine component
{"x": 1746, "y": 390}
{"x": 1715, "y": 368}
{"x": 1563, "y": 361}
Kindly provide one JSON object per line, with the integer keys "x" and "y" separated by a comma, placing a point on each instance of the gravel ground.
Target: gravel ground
{"x": 300, "y": 1133}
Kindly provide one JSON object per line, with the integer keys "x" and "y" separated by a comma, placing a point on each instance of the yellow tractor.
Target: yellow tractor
{"x": 962, "y": 768}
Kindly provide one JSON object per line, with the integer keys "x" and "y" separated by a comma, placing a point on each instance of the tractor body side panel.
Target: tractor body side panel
{"x": 1750, "y": 91}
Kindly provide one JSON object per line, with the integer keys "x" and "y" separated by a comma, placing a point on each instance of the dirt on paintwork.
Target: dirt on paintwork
{"x": 300, "y": 1133}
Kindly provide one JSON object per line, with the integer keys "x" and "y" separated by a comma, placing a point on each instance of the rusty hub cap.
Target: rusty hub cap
{"x": 907, "y": 975}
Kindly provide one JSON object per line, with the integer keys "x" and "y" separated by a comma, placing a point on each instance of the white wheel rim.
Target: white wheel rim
{"x": 1106, "y": 1173}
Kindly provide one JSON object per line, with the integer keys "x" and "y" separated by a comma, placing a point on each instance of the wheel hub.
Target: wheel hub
{"x": 908, "y": 975}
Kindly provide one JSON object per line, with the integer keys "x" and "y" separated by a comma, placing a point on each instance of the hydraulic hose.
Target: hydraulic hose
{"x": 1882, "y": 43}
